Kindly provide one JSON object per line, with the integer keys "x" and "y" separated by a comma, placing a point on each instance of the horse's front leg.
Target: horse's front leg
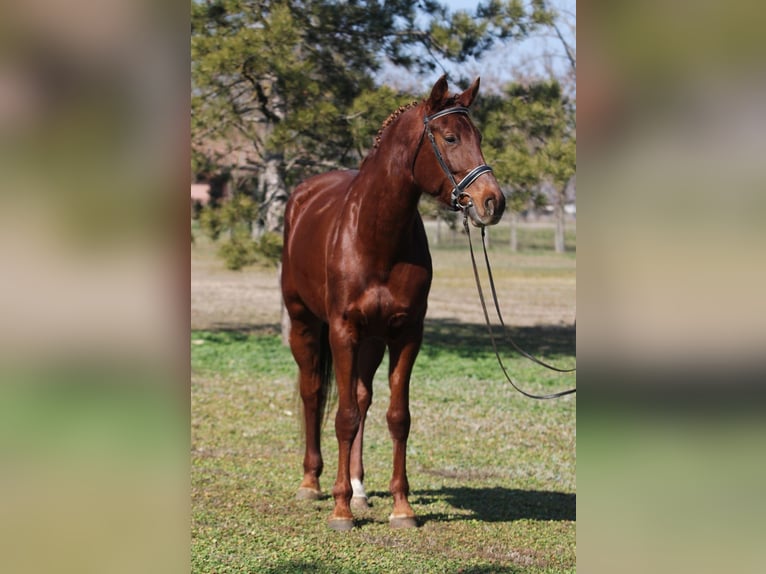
{"x": 370, "y": 355}
{"x": 344, "y": 350}
{"x": 404, "y": 351}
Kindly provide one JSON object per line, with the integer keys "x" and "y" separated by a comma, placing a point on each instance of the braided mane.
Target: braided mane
{"x": 396, "y": 113}
{"x": 390, "y": 119}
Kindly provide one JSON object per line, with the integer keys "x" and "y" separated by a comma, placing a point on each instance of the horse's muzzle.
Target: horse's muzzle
{"x": 489, "y": 212}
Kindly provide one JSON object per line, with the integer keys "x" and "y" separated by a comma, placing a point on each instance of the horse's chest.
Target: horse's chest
{"x": 384, "y": 309}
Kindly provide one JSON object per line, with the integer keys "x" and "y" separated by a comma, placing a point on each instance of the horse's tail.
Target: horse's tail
{"x": 326, "y": 395}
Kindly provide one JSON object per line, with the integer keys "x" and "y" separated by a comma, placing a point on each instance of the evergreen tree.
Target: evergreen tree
{"x": 282, "y": 89}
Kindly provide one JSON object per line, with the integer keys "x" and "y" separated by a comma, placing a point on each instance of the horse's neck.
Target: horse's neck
{"x": 386, "y": 206}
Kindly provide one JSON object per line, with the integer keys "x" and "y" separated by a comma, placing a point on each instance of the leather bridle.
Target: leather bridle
{"x": 458, "y": 193}
{"x": 458, "y": 189}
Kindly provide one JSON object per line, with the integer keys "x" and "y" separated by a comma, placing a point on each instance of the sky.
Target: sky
{"x": 503, "y": 63}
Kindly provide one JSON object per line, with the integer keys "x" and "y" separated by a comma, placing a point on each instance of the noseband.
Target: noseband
{"x": 458, "y": 189}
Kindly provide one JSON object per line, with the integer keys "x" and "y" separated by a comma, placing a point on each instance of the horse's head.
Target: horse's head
{"x": 450, "y": 165}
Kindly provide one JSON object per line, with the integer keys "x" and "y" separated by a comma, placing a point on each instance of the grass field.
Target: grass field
{"x": 492, "y": 474}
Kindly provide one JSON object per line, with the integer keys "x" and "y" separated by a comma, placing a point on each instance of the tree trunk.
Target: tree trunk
{"x": 559, "y": 214}
{"x": 273, "y": 190}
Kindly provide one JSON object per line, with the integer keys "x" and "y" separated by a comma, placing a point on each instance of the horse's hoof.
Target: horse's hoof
{"x": 360, "y": 503}
{"x": 341, "y": 524}
{"x": 305, "y": 493}
{"x": 402, "y": 521}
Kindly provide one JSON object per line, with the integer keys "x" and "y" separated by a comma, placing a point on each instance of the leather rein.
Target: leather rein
{"x": 502, "y": 323}
{"x": 459, "y": 193}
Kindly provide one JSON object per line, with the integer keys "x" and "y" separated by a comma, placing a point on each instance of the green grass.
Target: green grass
{"x": 492, "y": 474}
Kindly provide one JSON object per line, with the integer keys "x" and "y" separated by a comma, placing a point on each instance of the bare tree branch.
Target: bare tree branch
{"x": 567, "y": 48}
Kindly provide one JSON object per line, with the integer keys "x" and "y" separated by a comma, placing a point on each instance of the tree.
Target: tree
{"x": 529, "y": 139}
{"x": 558, "y": 160}
{"x": 282, "y": 89}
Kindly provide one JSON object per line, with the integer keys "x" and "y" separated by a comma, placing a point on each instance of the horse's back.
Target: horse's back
{"x": 318, "y": 193}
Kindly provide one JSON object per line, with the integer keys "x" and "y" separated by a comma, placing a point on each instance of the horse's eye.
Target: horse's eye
{"x": 450, "y": 138}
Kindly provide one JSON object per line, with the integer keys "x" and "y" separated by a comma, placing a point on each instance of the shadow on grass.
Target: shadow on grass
{"x": 448, "y": 335}
{"x": 497, "y": 504}
{"x": 302, "y": 566}
{"x": 242, "y": 331}
{"x": 470, "y": 339}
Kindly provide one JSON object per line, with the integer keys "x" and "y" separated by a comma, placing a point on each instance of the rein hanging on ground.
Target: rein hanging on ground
{"x": 502, "y": 323}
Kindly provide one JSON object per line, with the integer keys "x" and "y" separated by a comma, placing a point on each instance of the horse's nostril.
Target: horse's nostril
{"x": 489, "y": 206}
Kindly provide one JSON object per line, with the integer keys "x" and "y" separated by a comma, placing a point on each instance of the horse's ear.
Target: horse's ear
{"x": 438, "y": 94}
{"x": 466, "y": 98}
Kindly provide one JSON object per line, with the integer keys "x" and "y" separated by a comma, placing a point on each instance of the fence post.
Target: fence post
{"x": 514, "y": 221}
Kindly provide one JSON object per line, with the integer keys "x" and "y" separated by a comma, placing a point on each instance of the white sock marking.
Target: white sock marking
{"x": 358, "y": 488}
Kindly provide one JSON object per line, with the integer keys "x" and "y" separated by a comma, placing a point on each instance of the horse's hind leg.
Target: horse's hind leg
{"x": 308, "y": 348}
{"x": 370, "y": 356}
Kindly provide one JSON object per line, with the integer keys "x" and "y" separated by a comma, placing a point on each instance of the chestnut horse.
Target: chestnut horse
{"x": 356, "y": 272}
